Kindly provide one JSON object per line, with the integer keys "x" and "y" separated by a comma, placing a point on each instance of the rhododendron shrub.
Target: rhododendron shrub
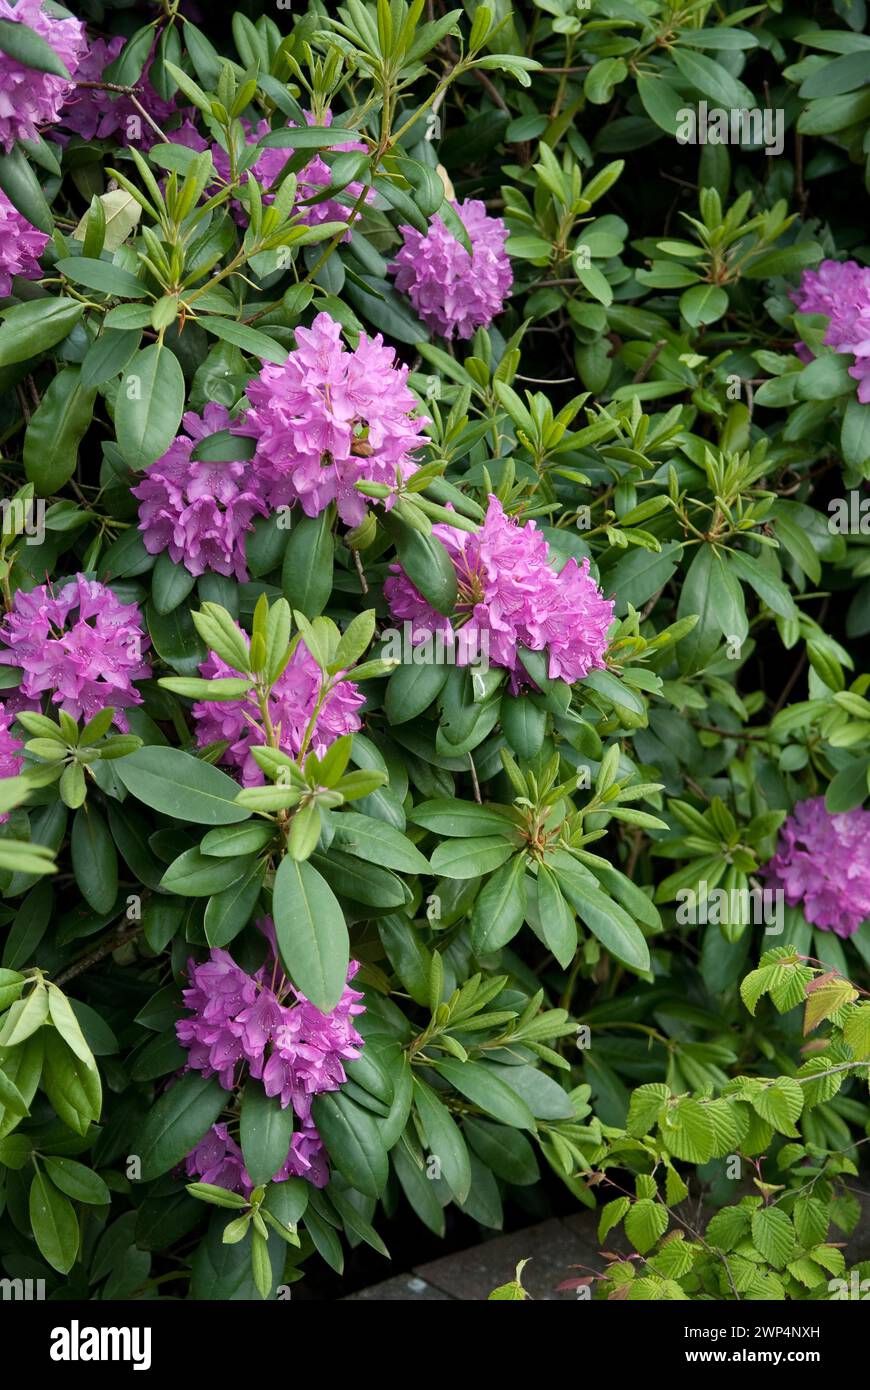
{"x": 434, "y": 686}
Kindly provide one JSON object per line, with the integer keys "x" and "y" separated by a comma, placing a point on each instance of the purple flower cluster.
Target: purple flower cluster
{"x": 330, "y": 417}
{"x": 82, "y": 644}
{"x": 823, "y": 862}
{"x": 217, "y": 1159}
{"x": 452, "y": 292}
{"x": 28, "y": 98}
{"x": 841, "y": 290}
{"x": 21, "y": 246}
{"x": 199, "y": 511}
{"x": 292, "y": 702}
{"x": 263, "y": 1023}
{"x": 10, "y": 750}
{"x": 509, "y": 597}
{"x": 96, "y": 114}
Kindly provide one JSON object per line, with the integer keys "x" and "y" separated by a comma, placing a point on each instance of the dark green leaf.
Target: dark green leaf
{"x": 265, "y": 1132}
{"x": 353, "y": 1142}
{"x": 150, "y": 404}
{"x": 311, "y": 931}
{"x": 177, "y": 1122}
{"x": 54, "y": 1224}
{"x": 168, "y": 780}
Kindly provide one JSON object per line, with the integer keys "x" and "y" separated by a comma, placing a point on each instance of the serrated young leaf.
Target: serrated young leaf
{"x": 676, "y": 1257}
{"x": 676, "y": 1190}
{"x": 754, "y": 985}
{"x": 645, "y": 1224}
{"x": 818, "y": 1082}
{"x": 830, "y": 1258}
{"x": 727, "y": 1227}
{"x": 645, "y": 1107}
{"x": 730, "y": 1121}
{"x": 773, "y": 1235}
{"x": 781, "y": 1104}
{"x": 856, "y": 1031}
{"x": 806, "y": 1272}
{"x": 825, "y": 999}
{"x": 611, "y": 1215}
{"x": 687, "y": 1131}
{"x": 811, "y": 1221}
{"x": 789, "y": 987}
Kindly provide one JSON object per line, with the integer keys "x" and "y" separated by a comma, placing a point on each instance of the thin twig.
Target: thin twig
{"x": 357, "y": 560}
{"x": 131, "y": 93}
{"x": 649, "y": 362}
{"x": 22, "y": 401}
{"x": 488, "y": 86}
{"x": 106, "y": 949}
{"x": 730, "y": 733}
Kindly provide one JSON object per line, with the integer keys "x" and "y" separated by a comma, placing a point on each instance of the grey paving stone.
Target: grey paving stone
{"x": 405, "y": 1288}
{"x": 553, "y": 1247}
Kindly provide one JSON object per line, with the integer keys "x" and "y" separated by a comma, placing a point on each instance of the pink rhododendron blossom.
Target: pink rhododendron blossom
{"x": 29, "y": 98}
{"x": 452, "y": 292}
{"x": 263, "y": 1023}
{"x": 291, "y": 705}
{"x": 510, "y": 596}
{"x": 81, "y": 644}
{"x": 330, "y": 417}
{"x": 10, "y": 749}
{"x": 199, "y": 511}
{"x": 822, "y": 863}
{"x": 21, "y": 246}
{"x": 841, "y": 290}
{"x": 217, "y": 1159}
